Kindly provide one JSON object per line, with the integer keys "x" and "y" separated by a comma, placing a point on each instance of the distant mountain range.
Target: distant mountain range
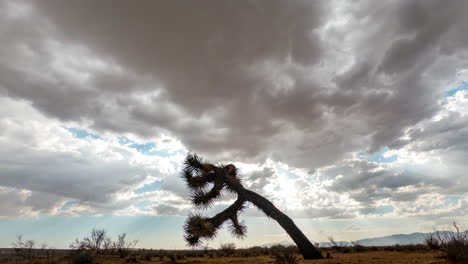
{"x": 401, "y": 239}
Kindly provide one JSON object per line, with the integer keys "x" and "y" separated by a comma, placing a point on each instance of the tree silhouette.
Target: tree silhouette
{"x": 200, "y": 176}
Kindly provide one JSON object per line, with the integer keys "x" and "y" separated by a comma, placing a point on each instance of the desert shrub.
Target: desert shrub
{"x": 147, "y": 255}
{"x": 281, "y": 249}
{"x": 172, "y": 258}
{"x": 388, "y": 248}
{"x": 452, "y": 245}
{"x": 339, "y": 246}
{"x": 257, "y": 251}
{"x": 161, "y": 254}
{"x": 97, "y": 242}
{"x": 277, "y": 248}
{"x": 356, "y": 247}
{"x": 27, "y": 249}
{"x": 432, "y": 242}
{"x": 50, "y": 256}
{"x": 122, "y": 246}
{"x": 415, "y": 247}
{"x": 286, "y": 256}
{"x": 131, "y": 259}
{"x": 228, "y": 249}
{"x": 83, "y": 258}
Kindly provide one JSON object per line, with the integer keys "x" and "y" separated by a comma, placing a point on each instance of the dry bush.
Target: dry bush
{"x": 356, "y": 247}
{"x": 97, "y": 242}
{"x": 83, "y": 257}
{"x": 280, "y": 249}
{"x": 286, "y": 255}
{"x": 27, "y": 249}
{"x": 452, "y": 245}
{"x": 161, "y": 254}
{"x": 432, "y": 242}
{"x": 131, "y": 259}
{"x": 172, "y": 258}
{"x": 339, "y": 246}
{"x": 123, "y": 247}
{"x": 257, "y": 251}
{"x": 228, "y": 249}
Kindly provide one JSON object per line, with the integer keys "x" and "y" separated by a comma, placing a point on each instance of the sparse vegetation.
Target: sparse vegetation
{"x": 261, "y": 255}
{"x": 147, "y": 255}
{"x": 96, "y": 242}
{"x": 451, "y": 245}
{"x": 286, "y": 259}
{"x": 356, "y": 247}
{"x": 83, "y": 257}
{"x": 228, "y": 249}
{"x": 99, "y": 243}
{"x": 339, "y": 246}
{"x": 285, "y": 255}
{"x": 123, "y": 246}
{"x": 27, "y": 249}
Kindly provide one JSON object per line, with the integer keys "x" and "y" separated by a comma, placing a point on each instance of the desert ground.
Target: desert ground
{"x": 336, "y": 258}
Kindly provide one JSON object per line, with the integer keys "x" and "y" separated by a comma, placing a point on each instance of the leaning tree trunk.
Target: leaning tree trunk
{"x": 199, "y": 227}
{"x": 306, "y": 248}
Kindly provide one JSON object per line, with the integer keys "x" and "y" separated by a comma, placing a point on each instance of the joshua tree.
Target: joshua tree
{"x": 200, "y": 176}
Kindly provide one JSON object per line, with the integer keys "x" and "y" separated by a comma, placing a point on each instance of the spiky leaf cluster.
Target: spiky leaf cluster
{"x": 197, "y": 227}
{"x": 198, "y": 176}
{"x": 237, "y": 229}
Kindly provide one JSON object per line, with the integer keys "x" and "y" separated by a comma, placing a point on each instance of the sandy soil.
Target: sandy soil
{"x": 337, "y": 258}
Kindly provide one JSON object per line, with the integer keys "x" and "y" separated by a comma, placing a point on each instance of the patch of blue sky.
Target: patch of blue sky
{"x": 449, "y": 200}
{"x": 156, "y": 185}
{"x": 123, "y": 140}
{"x": 82, "y": 133}
{"x": 379, "y": 156}
{"x": 148, "y": 148}
{"x": 384, "y": 209}
{"x": 453, "y": 199}
{"x": 67, "y": 205}
{"x": 462, "y": 86}
{"x": 143, "y": 148}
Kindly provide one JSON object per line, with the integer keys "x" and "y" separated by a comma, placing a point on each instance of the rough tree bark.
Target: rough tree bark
{"x": 198, "y": 175}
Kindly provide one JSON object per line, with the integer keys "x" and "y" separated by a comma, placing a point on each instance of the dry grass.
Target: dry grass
{"x": 393, "y": 257}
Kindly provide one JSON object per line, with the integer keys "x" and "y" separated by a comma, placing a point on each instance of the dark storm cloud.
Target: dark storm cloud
{"x": 234, "y": 78}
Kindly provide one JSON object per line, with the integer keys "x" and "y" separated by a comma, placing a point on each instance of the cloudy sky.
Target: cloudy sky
{"x": 352, "y": 117}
